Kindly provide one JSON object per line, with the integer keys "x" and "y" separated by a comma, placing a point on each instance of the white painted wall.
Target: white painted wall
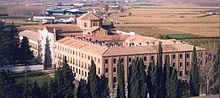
{"x": 23, "y": 68}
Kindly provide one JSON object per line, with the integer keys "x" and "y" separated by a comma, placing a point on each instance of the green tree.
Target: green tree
{"x": 93, "y": 81}
{"x": 7, "y": 84}
{"x": 104, "y": 90}
{"x": 9, "y": 45}
{"x": 13, "y": 43}
{"x": 121, "y": 79}
{"x": 25, "y": 49}
{"x": 194, "y": 75}
{"x": 160, "y": 92}
{"x": 166, "y": 72}
{"x": 134, "y": 84}
{"x": 183, "y": 89}
{"x": 172, "y": 83}
{"x": 83, "y": 89}
{"x": 47, "y": 55}
{"x": 45, "y": 90}
{"x": 142, "y": 79}
{"x": 64, "y": 78}
{"x": 152, "y": 76}
{"x": 30, "y": 89}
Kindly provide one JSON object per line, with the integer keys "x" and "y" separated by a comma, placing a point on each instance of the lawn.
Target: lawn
{"x": 39, "y": 77}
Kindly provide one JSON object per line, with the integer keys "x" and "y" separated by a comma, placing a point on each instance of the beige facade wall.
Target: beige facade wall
{"x": 181, "y": 64}
{"x": 88, "y": 24}
{"x": 79, "y": 61}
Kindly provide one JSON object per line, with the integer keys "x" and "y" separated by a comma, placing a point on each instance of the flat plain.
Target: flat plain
{"x": 151, "y": 20}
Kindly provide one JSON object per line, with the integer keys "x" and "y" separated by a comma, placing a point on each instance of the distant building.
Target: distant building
{"x": 64, "y": 11}
{"x": 44, "y": 19}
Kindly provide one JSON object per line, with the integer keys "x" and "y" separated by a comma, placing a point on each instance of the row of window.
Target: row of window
{"x": 145, "y": 58}
{"x": 79, "y": 54}
{"x": 93, "y": 24}
{"x": 79, "y": 71}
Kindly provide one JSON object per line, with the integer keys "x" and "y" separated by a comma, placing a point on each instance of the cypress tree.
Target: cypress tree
{"x": 172, "y": 83}
{"x": 194, "y": 75}
{"x": 134, "y": 81}
{"x": 153, "y": 76}
{"x": 129, "y": 81}
{"x": 166, "y": 73}
{"x": 25, "y": 49}
{"x": 121, "y": 80}
{"x": 142, "y": 79}
{"x": 47, "y": 55}
{"x": 64, "y": 78}
{"x": 160, "y": 92}
{"x": 104, "y": 90}
{"x": 83, "y": 89}
{"x": 93, "y": 81}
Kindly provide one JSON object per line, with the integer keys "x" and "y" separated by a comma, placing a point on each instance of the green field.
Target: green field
{"x": 39, "y": 77}
{"x": 183, "y": 36}
{"x": 144, "y": 5}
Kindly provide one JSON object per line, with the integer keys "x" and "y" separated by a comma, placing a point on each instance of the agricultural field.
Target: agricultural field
{"x": 165, "y": 20}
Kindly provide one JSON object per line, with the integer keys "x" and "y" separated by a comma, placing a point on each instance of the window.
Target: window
{"x": 85, "y": 74}
{"x": 106, "y": 61}
{"x": 122, "y": 60}
{"x": 181, "y": 64}
{"x": 187, "y": 55}
{"x": 187, "y": 64}
{"x": 114, "y": 79}
{"x": 98, "y": 70}
{"x": 187, "y": 72}
{"x": 98, "y": 60}
{"x": 106, "y": 70}
{"x": 137, "y": 58}
{"x": 76, "y": 70}
{"x": 88, "y": 57}
{"x": 85, "y": 65}
{"x": 181, "y": 56}
{"x": 174, "y": 64}
{"x": 79, "y": 71}
{"x": 174, "y": 56}
{"x": 85, "y": 25}
{"x": 181, "y": 73}
{"x": 82, "y": 72}
{"x": 129, "y": 59}
{"x": 145, "y": 58}
{"x": 114, "y": 69}
{"x": 114, "y": 60}
{"x": 94, "y": 24}
{"x": 152, "y": 58}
